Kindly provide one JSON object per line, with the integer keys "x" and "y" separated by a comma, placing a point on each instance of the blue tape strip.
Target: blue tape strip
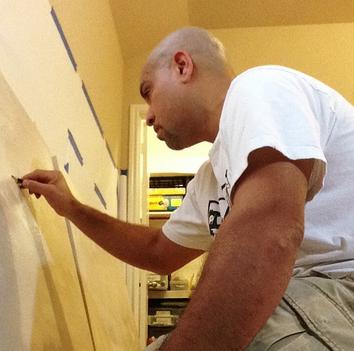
{"x": 110, "y": 154}
{"x": 100, "y": 196}
{"x": 92, "y": 108}
{"x": 63, "y": 38}
{"x": 66, "y": 167}
{"x": 75, "y": 148}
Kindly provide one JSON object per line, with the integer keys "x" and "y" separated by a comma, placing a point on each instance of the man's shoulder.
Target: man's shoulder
{"x": 263, "y": 74}
{"x": 274, "y": 76}
{"x": 268, "y": 70}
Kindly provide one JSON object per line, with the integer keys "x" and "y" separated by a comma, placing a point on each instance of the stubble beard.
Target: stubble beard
{"x": 173, "y": 141}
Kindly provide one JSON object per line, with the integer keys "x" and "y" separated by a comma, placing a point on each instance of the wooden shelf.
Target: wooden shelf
{"x": 170, "y": 294}
{"x": 160, "y": 214}
{"x": 171, "y": 174}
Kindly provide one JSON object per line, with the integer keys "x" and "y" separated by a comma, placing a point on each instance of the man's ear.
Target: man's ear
{"x": 183, "y": 65}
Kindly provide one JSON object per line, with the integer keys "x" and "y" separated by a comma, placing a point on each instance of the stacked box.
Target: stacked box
{"x": 165, "y": 199}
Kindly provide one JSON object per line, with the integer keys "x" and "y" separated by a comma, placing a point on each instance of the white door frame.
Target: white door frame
{"x": 138, "y": 211}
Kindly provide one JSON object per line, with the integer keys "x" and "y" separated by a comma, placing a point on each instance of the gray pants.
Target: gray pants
{"x": 315, "y": 314}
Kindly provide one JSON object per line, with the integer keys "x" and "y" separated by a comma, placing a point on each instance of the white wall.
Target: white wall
{"x": 161, "y": 159}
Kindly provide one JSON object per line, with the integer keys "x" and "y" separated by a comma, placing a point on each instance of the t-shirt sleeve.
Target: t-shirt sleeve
{"x": 271, "y": 108}
{"x": 186, "y": 226}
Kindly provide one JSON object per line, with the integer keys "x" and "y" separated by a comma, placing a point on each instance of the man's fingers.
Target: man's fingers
{"x": 36, "y": 188}
{"x": 41, "y": 175}
{"x": 31, "y": 193}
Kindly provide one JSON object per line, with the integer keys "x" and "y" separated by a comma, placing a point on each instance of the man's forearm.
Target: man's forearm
{"x": 138, "y": 245}
{"x": 131, "y": 243}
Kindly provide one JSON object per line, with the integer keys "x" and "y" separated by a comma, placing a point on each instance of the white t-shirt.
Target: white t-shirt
{"x": 274, "y": 106}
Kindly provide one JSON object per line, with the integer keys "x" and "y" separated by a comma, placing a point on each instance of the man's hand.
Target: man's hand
{"x": 52, "y": 185}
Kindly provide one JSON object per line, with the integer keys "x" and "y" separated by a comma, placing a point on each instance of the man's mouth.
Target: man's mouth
{"x": 159, "y": 133}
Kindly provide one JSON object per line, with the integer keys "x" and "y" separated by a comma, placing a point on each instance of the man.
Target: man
{"x": 279, "y": 274}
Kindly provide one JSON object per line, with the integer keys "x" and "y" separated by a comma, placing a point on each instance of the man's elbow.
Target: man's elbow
{"x": 162, "y": 258}
{"x": 163, "y": 267}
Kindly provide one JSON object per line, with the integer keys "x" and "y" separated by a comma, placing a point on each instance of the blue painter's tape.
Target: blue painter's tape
{"x": 63, "y": 38}
{"x": 110, "y": 154}
{"x": 92, "y": 108}
{"x": 75, "y": 148}
{"x": 100, "y": 196}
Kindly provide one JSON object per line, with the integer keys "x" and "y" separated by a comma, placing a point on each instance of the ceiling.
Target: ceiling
{"x": 141, "y": 24}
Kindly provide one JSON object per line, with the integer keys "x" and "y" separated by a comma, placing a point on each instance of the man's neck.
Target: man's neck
{"x": 216, "y": 108}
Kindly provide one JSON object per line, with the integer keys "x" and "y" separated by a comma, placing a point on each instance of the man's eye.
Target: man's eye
{"x": 147, "y": 94}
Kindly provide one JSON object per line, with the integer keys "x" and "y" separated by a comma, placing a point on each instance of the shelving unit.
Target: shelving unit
{"x": 165, "y": 306}
{"x": 165, "y": 309}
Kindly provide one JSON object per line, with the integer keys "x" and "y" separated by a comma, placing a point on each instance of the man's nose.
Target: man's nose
{"x": 150, "y": 118}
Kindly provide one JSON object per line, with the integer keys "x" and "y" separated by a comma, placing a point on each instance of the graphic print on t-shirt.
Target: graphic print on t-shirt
{"x": 216, "y": 215}
{"x": 225, "y": 188}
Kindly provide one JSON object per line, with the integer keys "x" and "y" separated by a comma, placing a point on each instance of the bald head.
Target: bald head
{"x": 185, "y": 81}
{"x": 205, "y": 50}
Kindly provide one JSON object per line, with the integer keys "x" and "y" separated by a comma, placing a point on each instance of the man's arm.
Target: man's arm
{"x": 251, "y": 260}
{"x": 137, "y": 245}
